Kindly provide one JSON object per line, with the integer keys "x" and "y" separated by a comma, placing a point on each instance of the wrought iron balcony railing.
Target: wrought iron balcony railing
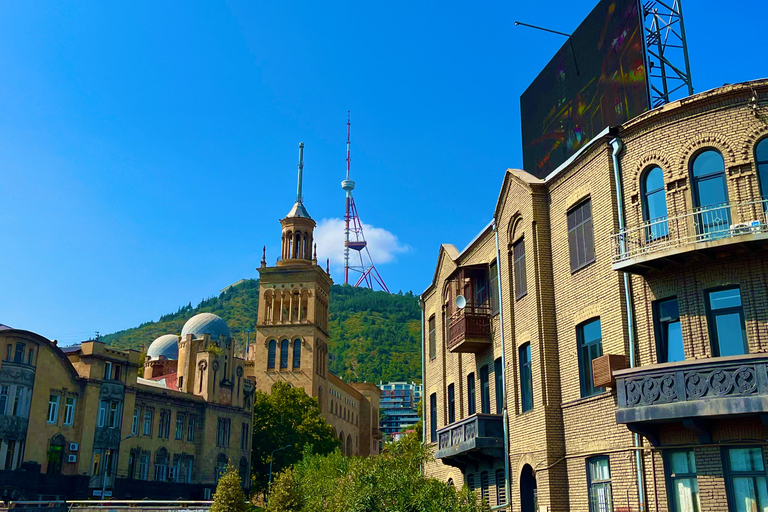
{"x": 693, "y": 390}
{"x": 470, "y": 329}
{"x": 700, "y": 225}
{"x": 469, "y": 438}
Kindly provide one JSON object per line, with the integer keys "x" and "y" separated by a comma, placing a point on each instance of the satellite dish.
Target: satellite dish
{"x": 461, "y": 302}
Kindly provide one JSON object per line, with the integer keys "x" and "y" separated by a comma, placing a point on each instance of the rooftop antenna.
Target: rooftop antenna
{"x": 354, "y": 228}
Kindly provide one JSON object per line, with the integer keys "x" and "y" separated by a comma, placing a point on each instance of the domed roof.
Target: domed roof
{"x": 166, "y": 345}
{"x": 206, "y": 323}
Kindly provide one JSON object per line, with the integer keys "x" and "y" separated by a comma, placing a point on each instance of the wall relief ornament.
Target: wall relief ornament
{"x": 13, "y": 374}
{"x": 12, "y": 428}
{"x": 111, "y": 391}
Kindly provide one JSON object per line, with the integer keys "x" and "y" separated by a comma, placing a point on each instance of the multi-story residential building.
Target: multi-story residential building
{"x": 78, "y": 420}
{"x": 399, "y": 406}
{"x": 601, "y": 344}
{"x": 291, "y": 343}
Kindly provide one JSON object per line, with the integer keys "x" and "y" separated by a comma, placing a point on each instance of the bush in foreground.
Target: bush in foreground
{"x": 229, "y": 495}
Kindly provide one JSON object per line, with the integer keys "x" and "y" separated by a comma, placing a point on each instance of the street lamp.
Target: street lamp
{"x": 106, "y": 467}
{"x": 272, "y": 458}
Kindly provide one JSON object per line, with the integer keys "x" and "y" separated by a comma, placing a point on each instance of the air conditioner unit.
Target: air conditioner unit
{"x": 71, "y": 457}
{"x": 73, "y": 447}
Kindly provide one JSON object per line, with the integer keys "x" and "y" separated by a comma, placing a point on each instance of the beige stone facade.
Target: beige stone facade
{"x": 291, "y": 342}
{"x": 690, "y": 241}
{"x": 79, "y": 419}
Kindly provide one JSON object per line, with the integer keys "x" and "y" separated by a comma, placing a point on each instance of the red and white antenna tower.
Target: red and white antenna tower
{"x": 354, "y": 238}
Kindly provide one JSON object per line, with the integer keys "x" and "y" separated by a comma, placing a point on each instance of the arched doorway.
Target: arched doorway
{"x": 527, "y": 490}
{"x": 55, "y": 454}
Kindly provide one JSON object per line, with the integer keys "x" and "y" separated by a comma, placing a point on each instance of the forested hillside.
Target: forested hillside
{"x": 373, "y": 335}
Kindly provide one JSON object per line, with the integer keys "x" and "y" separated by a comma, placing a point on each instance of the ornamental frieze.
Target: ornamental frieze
{"x": 12, "y": 428}
{"x": 111, "y": 391}
{"x": 106, "y": 437}
{"x": 11, "y": 373}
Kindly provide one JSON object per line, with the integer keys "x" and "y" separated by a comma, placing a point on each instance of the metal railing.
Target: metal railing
{"x": 700, "y": 225}
{"x": 470, "y": 322}
{"x": 467, "y": 429}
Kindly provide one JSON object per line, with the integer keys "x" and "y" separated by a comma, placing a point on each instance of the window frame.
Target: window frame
{"x": 591, "y": 482}
{"x": 296, "y": 363}
{"x": 485, "y": 390}
{"x": 432, "y": 337}
{"x": 730, "y": 474}
{"x": 485, "y": 492}
{"x": 761, "y": 168}
{"x": 471, "y": 395}
{"x": 714, "y": 340}
{"x": 433, "y": 417}
{"x": 526, "y": 377}
{"x": 69, "y": 410}
{"x": 451, "y": 403}
{"x": 147, "y": 423}
{"x": 53, "y": 409}
{"x": 498, "y": 379}
{"x": 585, "y": 368}
{"x": 493, "y": 283}
{"x": 589, "y": 242}
{"x": 519, "y": 268}
{"x": 271, "y": 354}
{"x": 646, "y": 211}
{"x": 661, "y": 334}
{"x": 285, "y": 344}
{"x": 670, "y": 478}
{"x": 135, "y": 421}
{"x": 501, "y": 487}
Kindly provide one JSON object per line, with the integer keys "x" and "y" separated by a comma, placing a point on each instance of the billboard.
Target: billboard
{"x": 597, "y": 79}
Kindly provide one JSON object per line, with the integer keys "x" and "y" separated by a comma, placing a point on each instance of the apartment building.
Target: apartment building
{"x": 601, "y": 344}
{"x": 399, "y": 405}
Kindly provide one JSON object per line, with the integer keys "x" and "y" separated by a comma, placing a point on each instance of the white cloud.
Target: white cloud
{"x": 329, "y": 236}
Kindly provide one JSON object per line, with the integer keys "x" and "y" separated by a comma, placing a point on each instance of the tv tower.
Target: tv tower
{"x": 354, "y": 238}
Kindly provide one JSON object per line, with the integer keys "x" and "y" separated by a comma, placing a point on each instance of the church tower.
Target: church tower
{"x": 292, "y": 325}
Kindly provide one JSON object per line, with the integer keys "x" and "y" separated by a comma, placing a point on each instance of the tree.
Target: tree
{"x": 286, "y": 416}
{"x": 229, "y": 495}
{"x": 391, "y": 481}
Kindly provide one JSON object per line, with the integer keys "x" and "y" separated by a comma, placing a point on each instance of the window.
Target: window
{"x": 3, "y": 398}
{"x": 221, "y": 466}
{"x": 484, "y": 486}
{"x": 710, "y": 193}
{"x": 19, "y": 355}
{"x": 451, "y": 404}
{"x": 590, "y": 340}
{"x": 30, "y": 357}
{"x": 296, "y": 353}
{"x": 581, "y": 242}
{"x": 481, "y": 288}
{"x": 526, "y": 378}
{"x": 114, "y": 414}
{"x": 191, "y": 429}
{"x": 53, "y": 408}
{"x": 161, "y": 468}
{"x": 599, "y": 482}
{"x": 433, "y": 417}
{"x": 135, "y": 421}
{"x": 147, "y": 422}
{"x": 493, "y": 279}
{"x": 117, "y": 372}
{"x": 654, "y": 204}
{"x": 18, "y": 406}
{"x": 498, "y": 373}
{"x": 746, "y": 475}
{"x": 271, "y": 355}
{"x": 471, "y": 394}
{"x": 501, "y": 489}
{"x": 144, "y": 466}
{"x": 222, "y": 431}
{"x": 518, "y": 252}
{"x": 161, "y": 429}
{"x": 69, "y": 410}
{"x": 244, "y": 436}
{"x": 761, "y": 160}
{"x": 471, "y": 482}
{"x": 284, "y": 354}
{"x": 8, "y": 352}
{"x": 432, "y": 338}
{"x": 179, "y": 427}
{"x": 725, "y": 316}
{"x": 681, "y": 481}
{"x": 669, "y": 335}
{"x": 108, "y": 370}
{"x": 485, "y": 391}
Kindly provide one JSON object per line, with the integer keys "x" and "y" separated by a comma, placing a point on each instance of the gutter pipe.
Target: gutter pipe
{"x": 617, "y": 147}
{"x": 504, "y": 419}
{"x": 423, "y": 381}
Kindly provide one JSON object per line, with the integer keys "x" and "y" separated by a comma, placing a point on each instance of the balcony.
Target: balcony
{"x": 706, "y": 230}
{"x": 469, "y": 330}
{"x": 471, "y": 440}
{"x": 692, "y": 392}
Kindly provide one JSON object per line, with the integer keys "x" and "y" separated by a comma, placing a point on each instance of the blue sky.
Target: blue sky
{"x": 148, "y": 149}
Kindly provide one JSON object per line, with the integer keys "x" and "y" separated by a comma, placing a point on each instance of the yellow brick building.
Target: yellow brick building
{"x": 76, "y": 420}
{"x": 608, "y": 350}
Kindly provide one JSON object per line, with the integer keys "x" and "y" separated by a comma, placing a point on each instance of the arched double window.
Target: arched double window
{"x": 296, "y": 353}
{"x": 271, "y": 355}
{"x": 284, "y": 354}
{"x": 654, "y": 204}
{"x": 710, "y": 193}
{"x": 761, "y": 159}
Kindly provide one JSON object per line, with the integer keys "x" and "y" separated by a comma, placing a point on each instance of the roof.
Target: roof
{"x": 298, "y": 210}
{"x": 4, "y": 327}
{"x": 206, "y": 323}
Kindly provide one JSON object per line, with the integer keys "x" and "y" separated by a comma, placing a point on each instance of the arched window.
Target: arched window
{"x": 710, "y": 193}
{"x": 296, "y": 353}
{"x": 244, "y": 480}
{"x": 221, "y": 466}
{"x": 271, "y": 355}
{"x": 320, "y": 398}
{"x": 761, "y": 159}
{"x": 654, "y": 204}
{"x": 283, "y": 354}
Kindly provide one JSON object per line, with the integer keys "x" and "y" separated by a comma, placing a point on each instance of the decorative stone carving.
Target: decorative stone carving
{"x": 12, "y": 428}
{"x": 239, "y": 371}
{"x": 106, "y": 437}
{"x": 111, "y": 391}
{"x": 12, "y": 373}
{"x": 215, "y": 366}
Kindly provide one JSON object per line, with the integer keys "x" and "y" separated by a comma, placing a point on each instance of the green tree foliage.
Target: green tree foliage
{"x": 374, "y": 336}
{"x": 229, "y": 495}
{"x": 286, "y": 416}
{"x": 387, "y": 483}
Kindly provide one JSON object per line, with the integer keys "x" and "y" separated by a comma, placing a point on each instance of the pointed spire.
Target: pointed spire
{"x": 299, "y": 196}
{"x": 264, "y": 257}
{"x": 314, "y": 254}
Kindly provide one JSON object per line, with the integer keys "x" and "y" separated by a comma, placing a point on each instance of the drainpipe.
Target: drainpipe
{"x": 504, "y": 380}
{"x": 617, "y": 146}
{"x": 423, "y": 382}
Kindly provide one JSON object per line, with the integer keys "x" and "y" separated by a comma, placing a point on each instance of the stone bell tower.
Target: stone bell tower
{"x": 292, "y": 325}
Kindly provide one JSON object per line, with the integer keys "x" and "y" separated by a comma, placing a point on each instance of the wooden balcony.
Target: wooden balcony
{"x": 692, "y": 392}
{"x": 470, "y": 330}
{"x": 471, "y": 440}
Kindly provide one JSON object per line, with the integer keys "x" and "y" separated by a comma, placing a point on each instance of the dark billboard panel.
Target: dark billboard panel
{"x": 597, "y": 79}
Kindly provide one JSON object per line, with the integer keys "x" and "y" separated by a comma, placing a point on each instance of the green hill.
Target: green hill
{"x": 373, "y": 335}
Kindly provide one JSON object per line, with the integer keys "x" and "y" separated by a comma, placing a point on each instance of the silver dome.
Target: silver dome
{"x": 166, "y": 345}
{"x": 206, "y": 323}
